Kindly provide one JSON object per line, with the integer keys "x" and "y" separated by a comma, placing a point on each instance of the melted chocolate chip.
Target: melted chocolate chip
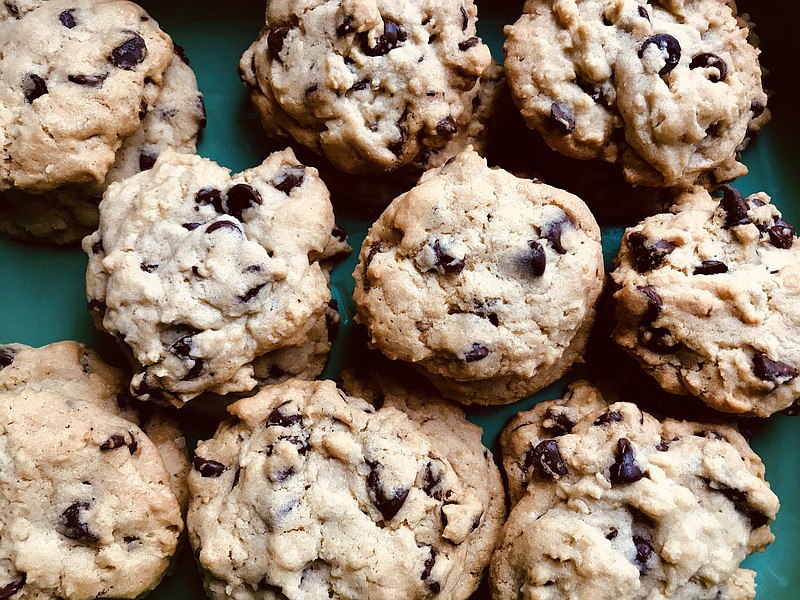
{"x": 741, "y": 503}
{"x": 130, "y": 53}
{"x": 289, "y": 179}
{"x": 476, "y": 353}
{"x": 389, "y": 502}
{"x": 73, "y": 525}
{"x": 562, "y": 116}
{"x": 446, "y": 127}
{"x": 608, "y": 417}
{"x": 239, "y": 198}
{"x": 94, "y": 81}
{"x": 647, "y": 255}
{"x": 625, "y": 469}
{"x": 710, "y": 267}
{"x": 147, "y": 268}
{"x": 147, "y": 158}
{"x": 493, "y": 319}
{"x": 444, "y": 262}
{"x": 781, "y": 235}
{"x": 223, "y": 224}
{"x": 553, "y": 230}
{"x": 432, "y": 482}
{"x": 251, "y": 293}
{"x": 33, "y": 87}
{"x": 734, "y": 206}
{"x": 275, "y": 39}
{"x": 434, "y": 586}
{"x": 15, "y": 586}
{"x": 468, "y": 43}
{"x": 396, "y": 147}
{"x": 67, "y": 18}
{"x": 644, "y": 551}
{"x": 563, "y": 424}
{"x": 546, "y": 457}
{"x": 393, "y": 36}
{"x": 208, "y": 468}
{"x": 654, "y": 304}
{"x": 767, "y": 369}
{"x": 210, "y": 195}
{"x": 709, "y": 60}
{"x": 669, "y": 47}
{"x": 278, "y": 418}
{"x": 537, "y": 260}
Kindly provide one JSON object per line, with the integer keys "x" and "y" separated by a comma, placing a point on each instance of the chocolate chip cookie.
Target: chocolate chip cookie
{"x": 708, "y": 301}
{"x": 619, "y": 505}
{"x": 486, "y": 282}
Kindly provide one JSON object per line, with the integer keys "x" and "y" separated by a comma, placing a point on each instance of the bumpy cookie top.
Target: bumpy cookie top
{"x": 77, "y": 77}
{"x": 71, "y": 528}
{"x": 709, "y": 301}
{"x": 619, "y": 505}
{"x": 669, "y": 89}
{"x": 314, "y": 493}
{"x": 475, "y": 273}
{"x": 371, "y": 84}
{"x": 199, "y": 272}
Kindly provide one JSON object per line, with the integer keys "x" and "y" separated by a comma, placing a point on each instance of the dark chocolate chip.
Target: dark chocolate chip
{"x": 239, "y": 198}
{"x": 734, "y": 206}
{"x": 710, "y": 267}
{"x": 130, "y": 53}
{"x": 670, "y": 49}
{"x": 14, "y": 587}
{"x": 562, "y": 116}
{"x": 432, "y": 482}
{"x": 284, "y": 474}
{"x": 608, "y": 417}
{"x": 444, "y": 262}
{"x": 388, "y": 503}
{"x": 781, "y": 234}
{"x": 493, "y": 319}
{"x": 546, "y": 457}
{"x": 89, "y": 80}
{"x": 289, "y": 179}
{"x": 434, "y": 586}
{"x": 6, "y": 356}
{"x": 659, "y": 340}
{"x": 644, "y": 551}
{"x": 33, "y": 87}
{"x": 339, "y": 233}
{"x": 446, "y": 127}
{"x": 396, "y": 147}
{"x": 133, "y": 446}
{"x": 476, "y": 353}
{"x": 112, "y": 443}
{"x": 191, "y": 226}
{"x": 709, "y": 60}
{"x": 178, "y": 339}
{"x": 275, "y": 39}
{"x": 373, "y": 250}
{"x": 625, "y": 469}
{"x": 345, "y": 27}
{"x": 67, "y": 18}
{"x": 612, "y": 534}
{"x": 643, "y": 12}
{"x": 223, "y": 224}
{"x": 468, "y": 43}
{"x": 740, "y": 502}
{"x": 563, "y": 424}
{"x": 647, "y": 255}
{"x": 147, "y": 158}
{"x": 208, "y": 468}
{"x": 210, "y": 195}
{"x": 279, "y": 418}
{"x": 359, "y": 85}
{"x": 654, "y": 304}
{"x": 464, "y": 18}
{"x": 251, "y": 293}
{"x": 537, "y": 260}
{"x": 195, "y": 370}
{"x": 74, "y": 526}
{"x": 393, "y": 36}
{"x": 767, "y": 369}
{"x": 553, "y": 230}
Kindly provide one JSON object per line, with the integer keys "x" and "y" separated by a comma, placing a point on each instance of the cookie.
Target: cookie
{"x": 708, "y": 301}
{"x": 72, "y": 95}
{"x": 86, "y": 505}
{"x": 310, "y": 492}
{"x": 621, "y": 505}
{"x": 199, "y": 273}
{"x": 372, "y": 86}
{"x": 68, "y": 213}
{"x": 486, "y": 282}
{"x": 668, "y": 90}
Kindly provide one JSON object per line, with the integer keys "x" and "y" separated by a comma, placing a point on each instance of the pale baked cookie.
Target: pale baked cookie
{"x": 69, "y": 97}
{"x": 312, "y": 493}
{"x": 484, "y": 281}
{"x": 708, "y": 301}
{"x": 86, "y": 505}
{"x": 620, "y": 505}
{"x": 200, "y": 273}
{"x": 374, "y": 86}
{"x": 68, "y": 213}
{"x": 670, "y": 90}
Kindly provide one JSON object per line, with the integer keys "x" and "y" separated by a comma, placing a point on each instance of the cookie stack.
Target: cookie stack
{"x": 480, "y": 281}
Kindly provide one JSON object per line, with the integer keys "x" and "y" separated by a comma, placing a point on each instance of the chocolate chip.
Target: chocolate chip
{"x": 33, "y": 87}
{"x": 757, "y": 108}
{"x": 710, "y": 267}
{"x": 546, "y": 457}
{"x": 275, "y": 39}
{"x": 147, "y": 158}
{"x": 112, "y": 443}
{"x": 659, "y": 340}
{"x": 223, "y": 224}
{"x": 288, "y": 179}
{"x": 493, "y": 319}
{"x": 345, "y": 27}
{"x": 740, "y": 502}
{"x": 644, "y": 551}
{"x": 373, "y": 250}
{"x": 612, "y": 534}
{"x": 210, "y": 195}
{"x": 434, "y": 586}
{"x": 339, "y": 233}
{"x": 767, "y": 369}
{"x": 396, "y": 147}
{"x": 359, "y": 85}
{"x": 654, "y": 304}
{"x": 6, "y": 356}
{"x": 446, "y": 127}
{"x": 647, "y": 255}
{"x": 734, "y": 206}
{"x": 178, "y": 339}
{"x": 563, "y": 424}
{"x": 195, "y": 370}
{"x": 709, "y": 60}
{"x": 208, "y": 468}
{"x": 643, "y": 12}
{"x": 191, "y": 226}
{"x": 88, "y": 80}
{"x": 781, "y": 234}
{"x": 239, "y": 198}
{"x": 393, "y": 36}
{"x": 389, "y": 502}
{"x": 130, "y": 53}
{"x": 279, "y": 418}
{"x": 73, "y": 525}
{"x": 432, "y": 482}
{"x": 476, "y": 353}
{"x": 67, "y": 18}
{"x": 468, "y": 43}
{"x": 537, "y": 260}
{"x": 133, "y": 446}
{"x": 562, "y": 116}
{"x": 608, "y": 417}
{"x": 625, "y": 469}
{"x": 15, "y": 586}
{"x": 464, "y": 18}
{"x": 553, "y": 230}
{"x": 251, "y": 293}
{"x": 444, "y": 262}
{"x": 670, "y": 50}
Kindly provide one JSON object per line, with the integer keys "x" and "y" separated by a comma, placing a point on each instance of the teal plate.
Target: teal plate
{"x": 42, "y": 291}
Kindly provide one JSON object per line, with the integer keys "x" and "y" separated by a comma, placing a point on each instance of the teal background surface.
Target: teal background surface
{"x": 42, "y": 288}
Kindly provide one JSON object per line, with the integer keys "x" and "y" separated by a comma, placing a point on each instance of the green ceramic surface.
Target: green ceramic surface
{"x": 42, "y": 288}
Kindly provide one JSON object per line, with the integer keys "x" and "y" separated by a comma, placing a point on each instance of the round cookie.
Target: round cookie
{"x": 487, "y": 283}
{"x": 199, "y": 273}
{"x": 373, "y": 86}
{"x": 708, "y": 301}
{"x": 668, "y": 90}
{"x": 310, "y": 492}
{"x": 70, "y": 97}
{"x": 68, "y": 213}
{"x": 624, "y": 506}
